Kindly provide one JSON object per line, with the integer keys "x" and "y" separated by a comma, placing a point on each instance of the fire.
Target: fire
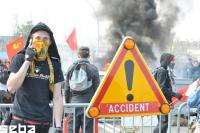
{"x": 106, "y": 66}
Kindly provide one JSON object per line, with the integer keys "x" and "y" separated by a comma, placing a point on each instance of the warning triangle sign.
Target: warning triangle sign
{"x": 128, "y": 88}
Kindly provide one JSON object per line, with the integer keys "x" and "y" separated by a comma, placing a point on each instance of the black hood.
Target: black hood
{"x": 165, "y": 59}
{"x": 53, "y": 51}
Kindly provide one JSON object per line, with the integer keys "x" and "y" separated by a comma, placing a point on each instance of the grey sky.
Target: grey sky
{"x": 63, "y": 15}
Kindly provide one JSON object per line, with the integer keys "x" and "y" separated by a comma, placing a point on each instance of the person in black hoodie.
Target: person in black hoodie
{"x": 35, "y": 75}
{"x": 165, "y": 79}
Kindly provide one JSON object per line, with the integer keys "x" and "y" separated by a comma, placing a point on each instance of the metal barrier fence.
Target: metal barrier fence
{"x": 178, "y": 116}
{"x": 70, "y": 109}
{"x": 133, "y": 124}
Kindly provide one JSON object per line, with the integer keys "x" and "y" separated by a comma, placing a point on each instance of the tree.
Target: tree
{"x": 23, "y": 30}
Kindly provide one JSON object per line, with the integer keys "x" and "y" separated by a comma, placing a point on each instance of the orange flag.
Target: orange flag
{"x": 15, "y": 46}
{"x": 72, "y": 41}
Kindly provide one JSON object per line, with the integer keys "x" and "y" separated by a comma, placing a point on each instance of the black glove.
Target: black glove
{"x": 58, "y": 130}
{"x": 179, "y": 96}
{"x": 30, "y": 54}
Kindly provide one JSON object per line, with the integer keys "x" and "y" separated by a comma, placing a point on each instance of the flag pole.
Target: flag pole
{"x": 98, "y": 32}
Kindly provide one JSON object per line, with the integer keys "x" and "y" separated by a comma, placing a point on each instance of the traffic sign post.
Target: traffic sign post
{"x": 128, "y": 88}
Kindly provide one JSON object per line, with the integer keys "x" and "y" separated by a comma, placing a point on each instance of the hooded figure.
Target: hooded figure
{"x": 36, "y": 74}
{"x": 52, "y": 50}
{"x": 167, "y": 62}
{"x": 163, "y": 76}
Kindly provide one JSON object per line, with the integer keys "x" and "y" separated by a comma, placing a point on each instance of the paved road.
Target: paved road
{"x": 138, "y": 130}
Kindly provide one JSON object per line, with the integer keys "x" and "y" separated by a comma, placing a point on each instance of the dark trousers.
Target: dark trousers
{"x": 79, "y": 120}
{"x": 38, "y": 128}
{"x": 164, "y": 124}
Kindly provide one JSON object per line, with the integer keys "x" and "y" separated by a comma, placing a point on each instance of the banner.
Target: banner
{"x": 15, "y": 46}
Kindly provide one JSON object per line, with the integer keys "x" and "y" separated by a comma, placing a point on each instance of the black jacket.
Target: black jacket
{"x": 86, "y": 97}
{"x": 163, "y": 79}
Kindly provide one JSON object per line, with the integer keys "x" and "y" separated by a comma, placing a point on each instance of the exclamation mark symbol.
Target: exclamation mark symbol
{"x": 129, "y": 70}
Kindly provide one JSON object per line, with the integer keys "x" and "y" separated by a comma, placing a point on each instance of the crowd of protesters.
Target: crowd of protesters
{"x": 195, "y": 70}
{"x": 4, "y": 74}
{"x": 34, "y": 78}
{"x": 29, "y": 64}
{"x": 5, "y": 97}
{"x": 192, "y": 69}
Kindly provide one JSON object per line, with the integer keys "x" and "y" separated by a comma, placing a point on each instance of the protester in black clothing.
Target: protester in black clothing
{"x": 165, "y": 78}
{"x": 81, "y": 84}
{"x": 195, "y": 70}
{"x": 5, "y": 96}
{"x": 36, "y": 74}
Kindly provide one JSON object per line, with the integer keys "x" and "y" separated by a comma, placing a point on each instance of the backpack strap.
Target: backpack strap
{"x": 160, "y": 67}
{"x": 156, "y": 71}
{"x": 76, "y": 66}
{"x": 72, "y": 69}
{"x": 87, "y": 70}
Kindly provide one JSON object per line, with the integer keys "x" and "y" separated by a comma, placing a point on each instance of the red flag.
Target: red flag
{"x": 15, "y": 46}
{"x": 186, "y": 91}
{"x": 182, "y": 92}
{"x": 72, "y": 41}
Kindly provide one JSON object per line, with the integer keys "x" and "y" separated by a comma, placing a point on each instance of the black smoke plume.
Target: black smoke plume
{"x": 141, "y": 20}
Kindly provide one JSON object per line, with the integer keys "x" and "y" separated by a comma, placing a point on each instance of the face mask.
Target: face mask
{"x": 41, "y": 48}
{"x": 171, "y": 65}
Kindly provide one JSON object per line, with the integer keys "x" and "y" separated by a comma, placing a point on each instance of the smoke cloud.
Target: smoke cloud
{"x": 149, "y": 22}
